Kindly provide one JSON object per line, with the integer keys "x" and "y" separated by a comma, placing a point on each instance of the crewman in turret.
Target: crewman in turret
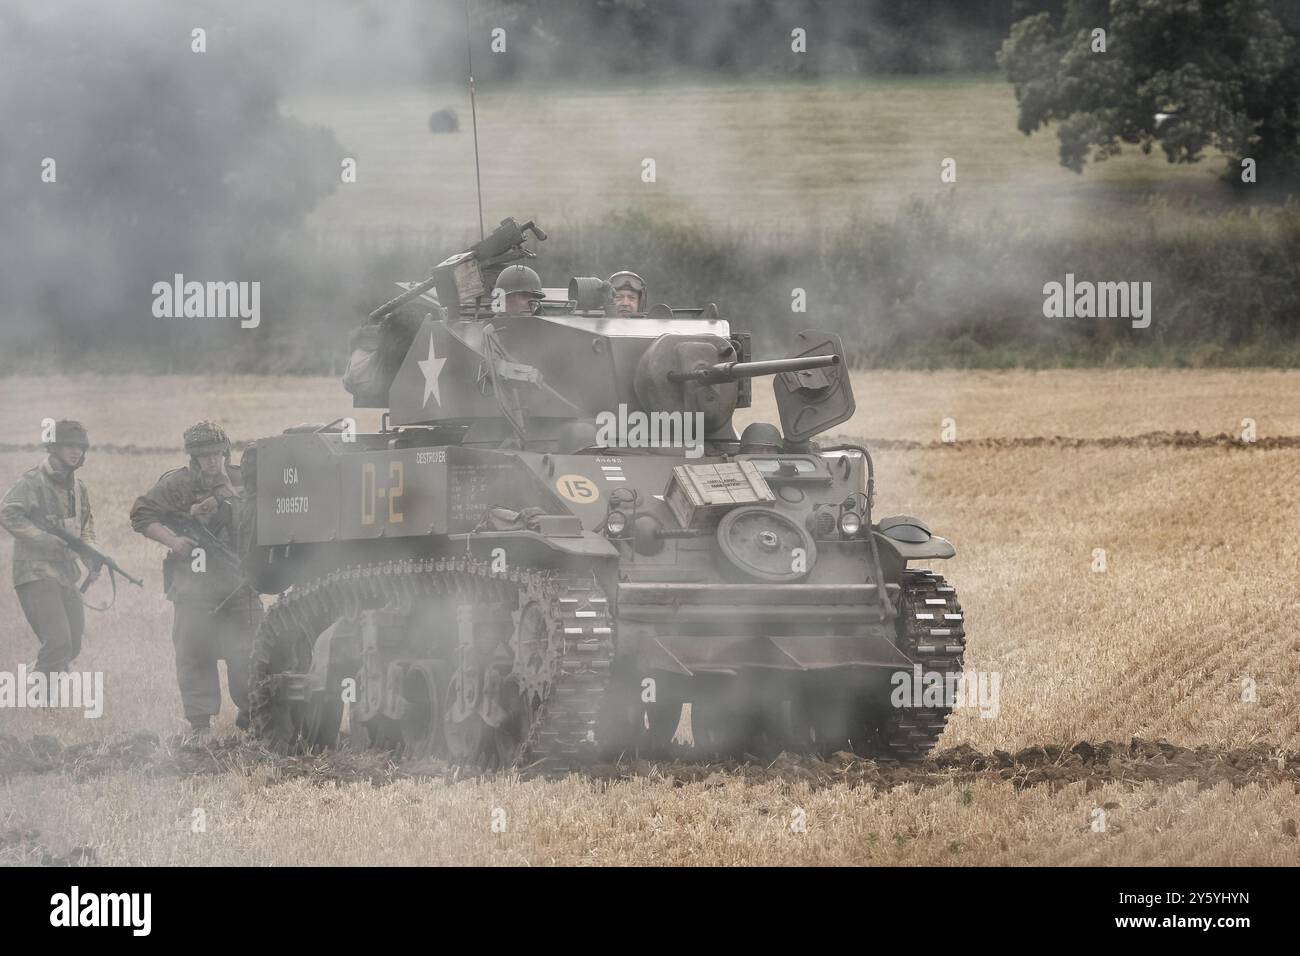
{"x": 518, "y": 290}
{"x": 629, "y": 293}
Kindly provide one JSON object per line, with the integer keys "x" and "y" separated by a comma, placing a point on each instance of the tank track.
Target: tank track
{"x": 566, "y": 736}
{"x": 931, "y": 632}
{"x": 563, "y": 734}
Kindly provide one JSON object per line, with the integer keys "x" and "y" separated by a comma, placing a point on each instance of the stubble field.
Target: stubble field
{"x": 1196, "y": 606}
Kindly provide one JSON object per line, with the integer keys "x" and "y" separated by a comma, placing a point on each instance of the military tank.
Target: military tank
{"x": 557, "y": 541}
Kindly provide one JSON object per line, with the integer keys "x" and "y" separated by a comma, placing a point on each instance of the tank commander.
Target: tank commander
{"x": 629, "y": 293}
{"x": 45, "y": 569}
{"x": 521, "y": 290}
{"x": 216, "y": 611}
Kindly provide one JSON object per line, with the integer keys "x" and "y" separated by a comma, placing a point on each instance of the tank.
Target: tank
{"x": 558, "y": 549}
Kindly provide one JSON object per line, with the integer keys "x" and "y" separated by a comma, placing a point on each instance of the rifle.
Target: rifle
{"x": 91, "y": 555}
{"x": 187, "y": 526}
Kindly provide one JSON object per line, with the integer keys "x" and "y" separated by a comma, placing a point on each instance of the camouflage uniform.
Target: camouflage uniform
{"x": 209, "y": 623}
{"x": 45, "y": 570}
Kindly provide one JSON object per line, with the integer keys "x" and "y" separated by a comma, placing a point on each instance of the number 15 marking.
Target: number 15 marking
{"x": 578, "y": 489}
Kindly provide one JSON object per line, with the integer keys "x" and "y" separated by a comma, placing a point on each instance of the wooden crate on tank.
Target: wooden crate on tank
{"x": 698, "y": 494}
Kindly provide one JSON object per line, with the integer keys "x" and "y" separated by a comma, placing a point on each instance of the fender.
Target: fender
{"x": 908, "y": 538}
{"x": 585, "y": 544}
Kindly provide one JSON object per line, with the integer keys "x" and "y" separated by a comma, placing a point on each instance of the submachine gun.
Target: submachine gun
{"x": 188, "y": 526}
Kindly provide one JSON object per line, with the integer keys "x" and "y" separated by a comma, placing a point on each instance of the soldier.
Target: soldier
{"x": 216, "y": 611}
{"x": 522, "y": 288}
{"x": 45, "y": 569}
{"x": 629, "y": 293}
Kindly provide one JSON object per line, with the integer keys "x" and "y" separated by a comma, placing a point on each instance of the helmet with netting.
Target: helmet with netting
{"x": 68, "y": 432}
{"x": 206, "y": 438}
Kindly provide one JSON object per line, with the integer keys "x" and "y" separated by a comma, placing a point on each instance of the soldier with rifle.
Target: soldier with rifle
{"x": 198, "y": 515}
{"x": 48, "y": 513}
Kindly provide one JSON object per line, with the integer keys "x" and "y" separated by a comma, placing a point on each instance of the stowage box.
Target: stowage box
{"x": 702, "y": 493}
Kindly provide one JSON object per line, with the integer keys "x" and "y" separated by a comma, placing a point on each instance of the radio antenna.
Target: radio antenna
{"x": 478, "y": 178}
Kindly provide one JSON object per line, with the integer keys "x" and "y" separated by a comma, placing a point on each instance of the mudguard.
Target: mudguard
{"x": 935, "y": 547}
{"x": 909, "y": 538}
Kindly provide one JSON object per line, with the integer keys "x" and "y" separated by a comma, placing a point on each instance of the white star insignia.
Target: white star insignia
{"x": 432, "y": 368}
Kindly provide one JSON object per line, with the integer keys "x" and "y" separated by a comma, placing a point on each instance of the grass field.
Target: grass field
{"x": 762, "y": 187}
{"x": 769, "y": 159}
{"x": 1199, "y": 594}
{"x": 833, "y": 188}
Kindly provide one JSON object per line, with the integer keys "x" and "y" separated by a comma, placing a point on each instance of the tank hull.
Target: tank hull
{"x": 420, "y": 598}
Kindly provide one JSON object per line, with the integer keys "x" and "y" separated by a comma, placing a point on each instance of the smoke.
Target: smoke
{"x": 146, "y": 140}
{"x": 225, "y": 165}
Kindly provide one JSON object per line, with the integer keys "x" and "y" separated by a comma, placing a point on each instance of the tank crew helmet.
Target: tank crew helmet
{"x": 523, "y": 281}
{"x": 624, "y": 282}
{"x": 206, "y": 438}
{"x": 68, "y": 432}
{"x": 760, "y": 438}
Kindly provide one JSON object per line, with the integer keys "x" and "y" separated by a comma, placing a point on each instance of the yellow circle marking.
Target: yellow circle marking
{"x": 579, "y": 489}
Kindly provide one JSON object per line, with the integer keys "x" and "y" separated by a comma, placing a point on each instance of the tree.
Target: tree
{"x": 1223, "y": 74}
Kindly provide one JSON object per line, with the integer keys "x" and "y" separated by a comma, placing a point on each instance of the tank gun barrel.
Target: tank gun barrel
{"x": 732, "y": 371}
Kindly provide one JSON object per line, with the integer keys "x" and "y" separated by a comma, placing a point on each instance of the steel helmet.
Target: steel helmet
{"x": 760, "y": 438}
{"x": 519, "y": 278}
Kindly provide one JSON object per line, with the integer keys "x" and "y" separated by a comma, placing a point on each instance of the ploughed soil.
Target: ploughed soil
{"x": 1160, "y": 439}
{"x": 1050, "y": 765}
{"x": 1156, "y": 439}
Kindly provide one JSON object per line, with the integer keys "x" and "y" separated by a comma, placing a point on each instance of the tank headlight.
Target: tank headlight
{"x": 615, "y": 523}
{"x": 850, "y": 523}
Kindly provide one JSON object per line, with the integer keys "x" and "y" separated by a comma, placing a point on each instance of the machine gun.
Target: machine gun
{"x": 506, "y": 242}
{"x": 91, "y": 555}
{"x": 734, "y": 371}
{"x": 461, "y": 277}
